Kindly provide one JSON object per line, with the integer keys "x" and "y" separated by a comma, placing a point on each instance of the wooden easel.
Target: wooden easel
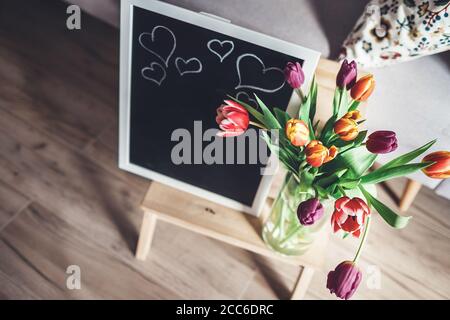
{"x": 163, "y": 203}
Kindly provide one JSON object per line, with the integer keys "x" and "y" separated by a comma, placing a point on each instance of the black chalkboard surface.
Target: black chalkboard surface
{"x": 180, "y": 73}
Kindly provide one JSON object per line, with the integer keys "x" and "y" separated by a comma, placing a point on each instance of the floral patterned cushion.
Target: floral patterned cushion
{"x": 398, "y": 30}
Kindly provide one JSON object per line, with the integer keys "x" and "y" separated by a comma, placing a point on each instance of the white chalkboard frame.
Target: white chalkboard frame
{"x": 310, "y": 58}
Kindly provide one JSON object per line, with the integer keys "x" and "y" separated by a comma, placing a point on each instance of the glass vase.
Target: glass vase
{"x": 282, "y": 230}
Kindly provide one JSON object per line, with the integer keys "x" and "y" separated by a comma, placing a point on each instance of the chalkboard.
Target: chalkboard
{"x": 178, "y": 73}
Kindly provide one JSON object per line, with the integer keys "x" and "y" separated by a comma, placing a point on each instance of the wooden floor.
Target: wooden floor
{"x": 64, "y": 202}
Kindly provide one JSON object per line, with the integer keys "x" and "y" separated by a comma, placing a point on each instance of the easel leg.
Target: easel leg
{"x": 409, "y": 194}
{"x": 146, "y": 235}
{"x": 302, "y": 283}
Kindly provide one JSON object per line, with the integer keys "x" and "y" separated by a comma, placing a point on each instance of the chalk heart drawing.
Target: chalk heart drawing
{"x": 161, "y": 42}
{"x": 192, "y": 65}
{"x": 222, "y": 49}
{"x": 155, "y": 73}
{"x": 245, "y": 97}
{"x": 270, "y": 74}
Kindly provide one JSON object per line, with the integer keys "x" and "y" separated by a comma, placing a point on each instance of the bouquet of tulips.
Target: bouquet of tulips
{"x": 335, "y": 159}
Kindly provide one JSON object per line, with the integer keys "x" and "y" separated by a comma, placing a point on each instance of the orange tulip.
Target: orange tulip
{"x": 441, "y": 169}
{"x": 297, "y": 132}
{"x": 363, "y": 88}
{"x": 317, "y": 154}
{"x": 346, "y": 127}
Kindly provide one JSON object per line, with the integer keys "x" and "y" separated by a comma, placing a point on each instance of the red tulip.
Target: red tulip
{"x": 297, "y": 132}
{"x": 294, "y": 75}
{"x": 349, "y": 215}
{"x": 232, "y": 118}
{"x": 441, "y": 169}
{"x": 344, "y": 280}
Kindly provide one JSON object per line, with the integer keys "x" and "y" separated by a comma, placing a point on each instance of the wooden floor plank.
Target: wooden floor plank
{"x": 11, "y": 202}
{"x": 38, "y": 247}
{"x": 104, "y": 152}
{"x": 65, "y": 89}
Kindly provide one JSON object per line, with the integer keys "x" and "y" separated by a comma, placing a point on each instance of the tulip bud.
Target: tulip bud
{"x": 297, "y": 132}
{"x": 346, "y": 127}
{"x": 309, "y": 211}
{"x": 441, "y": 169}
{"x": 344, "y": 280}
{"x": 346, "y": 76}
{"x": 363, "y": 88}
{"x": 232, "y": 118}
{"x": 317, "y": 154}
{"x": 294, "y": 75}
{"x": 382, "y": 142}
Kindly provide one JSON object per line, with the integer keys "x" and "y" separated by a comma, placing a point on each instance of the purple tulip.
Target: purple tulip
{"x": 346, "y": 76}
{"x": 382, "y": 142}
{"x": 294, "y": 74}
{"x": 344, "y": 280}
{"x": 309, "y": 211}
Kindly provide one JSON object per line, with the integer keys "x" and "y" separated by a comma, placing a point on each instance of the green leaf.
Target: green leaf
{"x": 393, "y": 219}
{"x": 355, "y": 142}
{"x": 357, "y": 160}
{"x": 321, "y": 192}
{"x": 407, "y": 157}
{"x": 349, "y": 183}
{"x": 312, "y": 135}
{"x": 327, "y": 130}
{"x": 381, "y": 175}
{"x": 308, "y": 108}
{"x": 269, "y": 119}
{"x": 314, "y": 91}
{"x": 305, "y": 109}
{"x": 307, "y": 178}
{"x": 343, "y": 104}
{"x": 360, "y": 138}
{"x": 330, "y": 179}
{"x": 282, "y": 116}
{"x": 336, "y": 101}
{"x": 258, "y": 115}
{"x": 282, "y": 154}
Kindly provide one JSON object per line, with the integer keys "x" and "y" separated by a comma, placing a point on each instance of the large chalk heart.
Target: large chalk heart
{"x": 161, "y": 42}
{"x": 192, "y": 65}
{"x": 271, "y": 78}
{"x": 154, "y": 73}
{"x": 222, "y": 49}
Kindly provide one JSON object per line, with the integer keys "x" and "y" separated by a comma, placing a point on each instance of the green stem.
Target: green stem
{"x": 363, "y": 240}
{"x": 331, "y": 139}
{"x": 282, "y": 202}
{"x": 342, "y": 190}
{"x": 257, "y": 125}
{"x": 353, "y": 105}
{"x": 290, "y": 235}
{"x": 300, "y": 94}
